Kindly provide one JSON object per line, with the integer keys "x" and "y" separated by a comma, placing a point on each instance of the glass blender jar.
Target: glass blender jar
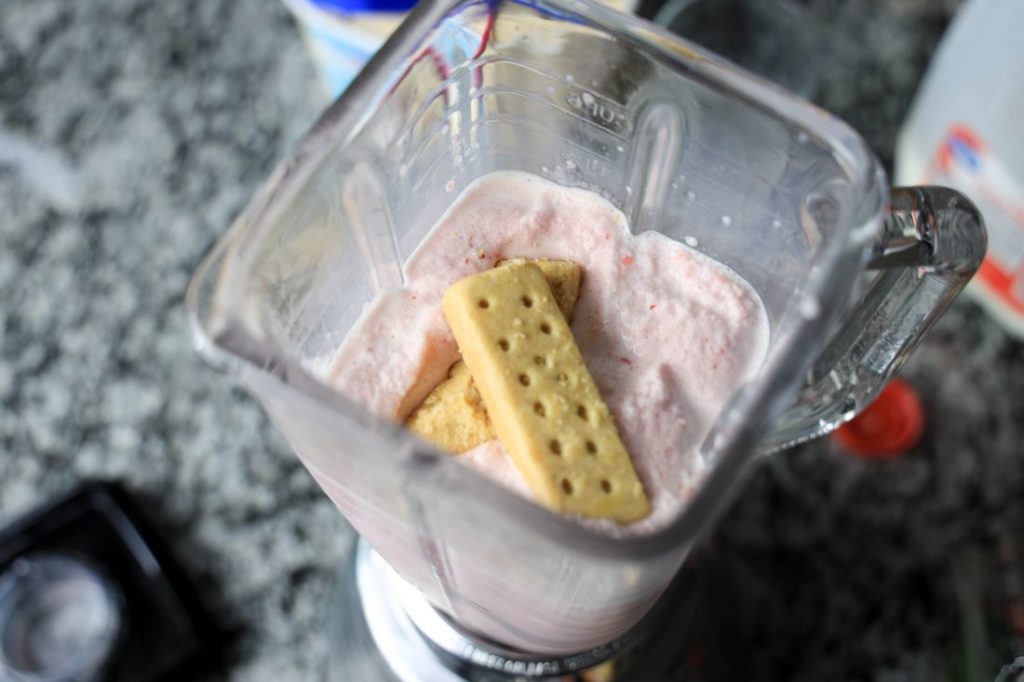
{"x": 683, "y": 142}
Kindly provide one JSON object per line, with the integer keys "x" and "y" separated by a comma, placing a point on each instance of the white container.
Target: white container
{"x": 966, "y": 131}
{"x": 341, "y": 44}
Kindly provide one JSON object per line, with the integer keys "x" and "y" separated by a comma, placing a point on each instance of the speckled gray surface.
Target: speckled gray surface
{"x": 165, "y": 116}
{"x": 156, "y": 121}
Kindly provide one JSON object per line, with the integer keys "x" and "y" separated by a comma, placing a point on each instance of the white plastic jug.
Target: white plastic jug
{"x": 966, "y": 130}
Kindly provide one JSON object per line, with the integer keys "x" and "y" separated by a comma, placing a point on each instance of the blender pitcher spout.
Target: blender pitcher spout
{"x": 932, "y": 241}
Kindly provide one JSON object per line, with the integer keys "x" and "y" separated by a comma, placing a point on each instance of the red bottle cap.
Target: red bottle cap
{"x": 888, "y": 427}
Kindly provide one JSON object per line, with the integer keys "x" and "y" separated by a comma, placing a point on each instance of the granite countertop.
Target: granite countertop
{"x": 148, "y": 126}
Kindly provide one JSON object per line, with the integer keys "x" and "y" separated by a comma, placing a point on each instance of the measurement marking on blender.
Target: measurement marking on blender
{"x": 598, "y": 109}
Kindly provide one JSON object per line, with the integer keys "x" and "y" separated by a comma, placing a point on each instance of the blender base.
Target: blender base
{"x": 382, "y": 628}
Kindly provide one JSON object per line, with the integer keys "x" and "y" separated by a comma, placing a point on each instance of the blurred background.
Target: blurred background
{"x": 132, "y": 133}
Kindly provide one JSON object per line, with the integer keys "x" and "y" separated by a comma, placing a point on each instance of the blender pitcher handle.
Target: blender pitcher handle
{"x": 931, "y": 243}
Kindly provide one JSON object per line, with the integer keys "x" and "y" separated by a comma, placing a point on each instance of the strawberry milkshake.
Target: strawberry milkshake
{"x": 667, "y": 333}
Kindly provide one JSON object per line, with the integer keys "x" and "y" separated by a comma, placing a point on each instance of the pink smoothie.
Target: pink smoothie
{"x": 667, "y": 333}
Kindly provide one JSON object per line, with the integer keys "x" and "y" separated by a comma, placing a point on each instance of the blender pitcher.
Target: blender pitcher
{"x": 684, "y": 143}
